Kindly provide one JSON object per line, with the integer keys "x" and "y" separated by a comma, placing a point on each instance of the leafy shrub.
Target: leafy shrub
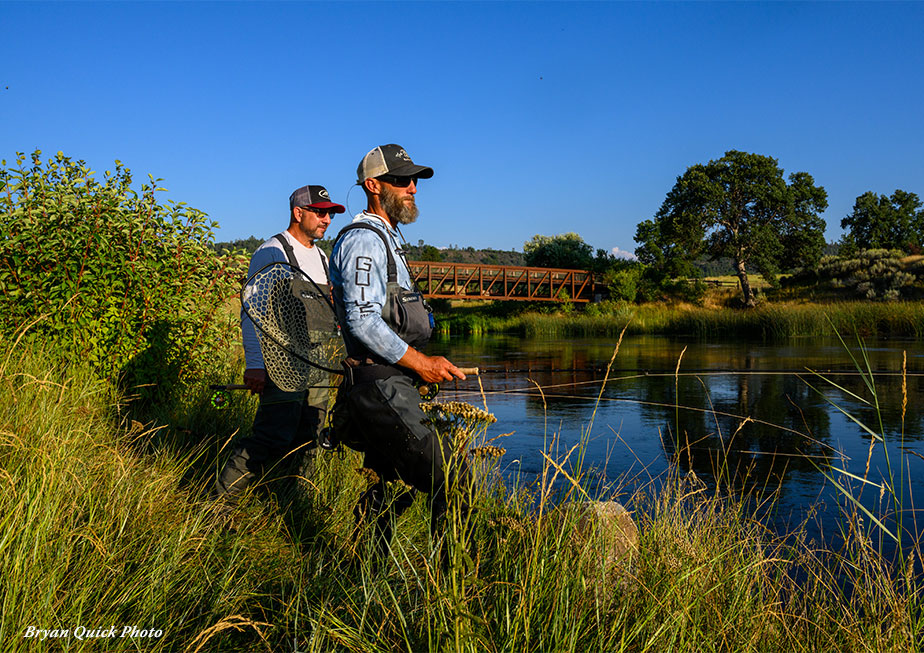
{"x": 102, "y": 273}
{"x": 871, "y": 273}
{"x": 623, "y": 283}
{"x": 564, "y": 302}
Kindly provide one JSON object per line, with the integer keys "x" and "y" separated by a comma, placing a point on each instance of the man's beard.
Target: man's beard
{"x": 397, "y": 208}
{"x": 314, "y": 235}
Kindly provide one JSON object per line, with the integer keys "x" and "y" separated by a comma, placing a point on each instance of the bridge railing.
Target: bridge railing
{"x": 476, "y": 281}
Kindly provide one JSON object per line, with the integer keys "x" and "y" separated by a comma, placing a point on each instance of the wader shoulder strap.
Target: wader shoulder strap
{"x": 290, "y": 255}
{"x": 392, "y": 268}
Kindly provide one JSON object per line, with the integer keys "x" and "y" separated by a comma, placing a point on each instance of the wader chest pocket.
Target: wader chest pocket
{"x": 408, "y": 314}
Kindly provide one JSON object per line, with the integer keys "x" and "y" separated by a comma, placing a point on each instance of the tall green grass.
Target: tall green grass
{"x": 766, "y": 322}
{"x": 105, "y": 522}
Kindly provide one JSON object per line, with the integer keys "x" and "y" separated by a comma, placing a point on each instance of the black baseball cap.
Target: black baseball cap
{"x": 315, "y": 197}
{"x": 390, "y": 160}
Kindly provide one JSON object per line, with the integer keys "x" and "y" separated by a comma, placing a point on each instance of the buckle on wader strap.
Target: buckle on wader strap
{"x": 368, "y": 370}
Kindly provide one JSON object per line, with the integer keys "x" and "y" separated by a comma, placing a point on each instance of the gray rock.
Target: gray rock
{"x": 606, "y": 539}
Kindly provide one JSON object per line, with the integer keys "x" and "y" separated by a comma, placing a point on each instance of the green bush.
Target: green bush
{"x": 623, "y": 283}
{"x": 99, "y": 272}
{"x": 869, "y": 274}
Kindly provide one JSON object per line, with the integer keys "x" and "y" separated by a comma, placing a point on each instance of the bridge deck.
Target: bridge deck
{"x": 506, "y": 282}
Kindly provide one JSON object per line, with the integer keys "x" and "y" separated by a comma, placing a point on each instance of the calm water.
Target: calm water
{"x": 644, "y": 412}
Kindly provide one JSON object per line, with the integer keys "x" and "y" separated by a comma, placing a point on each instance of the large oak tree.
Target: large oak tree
{"x": 740, "y": 207}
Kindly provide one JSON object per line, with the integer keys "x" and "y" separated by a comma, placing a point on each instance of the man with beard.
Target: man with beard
{"x": 286, "y": 425}
{"x": 385, "y": 323}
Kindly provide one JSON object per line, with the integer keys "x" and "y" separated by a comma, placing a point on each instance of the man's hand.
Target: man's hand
{"x": 431, "y": 369}
{"x": 255, "y": 380}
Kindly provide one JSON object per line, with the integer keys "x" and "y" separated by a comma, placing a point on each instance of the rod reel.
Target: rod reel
{"x": 221, "y": 394}
{"x": 428, "y": 391}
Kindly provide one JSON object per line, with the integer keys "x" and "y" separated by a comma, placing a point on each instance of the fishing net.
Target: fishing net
{"x": 296, "y": 326}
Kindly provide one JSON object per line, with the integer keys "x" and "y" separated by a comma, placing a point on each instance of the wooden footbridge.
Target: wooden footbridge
{"x": 502, "y": 282}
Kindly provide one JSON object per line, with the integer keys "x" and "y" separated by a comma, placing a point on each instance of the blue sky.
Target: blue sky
{"x": 538, "y": 118}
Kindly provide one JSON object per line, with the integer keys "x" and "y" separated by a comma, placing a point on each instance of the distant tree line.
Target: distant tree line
{"x": 737, "y": 215}
{"x": 419, "y": 252}
{"x": 740, "y": 208}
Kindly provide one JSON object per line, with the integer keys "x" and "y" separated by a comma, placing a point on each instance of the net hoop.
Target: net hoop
{"x": 281, "y": 301}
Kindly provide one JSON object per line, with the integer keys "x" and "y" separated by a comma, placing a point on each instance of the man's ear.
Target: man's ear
{"x": 373, "y": 186}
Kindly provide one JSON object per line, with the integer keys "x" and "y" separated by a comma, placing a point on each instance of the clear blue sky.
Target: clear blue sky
{"x": 538, "y": 118}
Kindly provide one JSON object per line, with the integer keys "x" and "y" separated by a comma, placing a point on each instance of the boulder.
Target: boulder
{"x": 606, "y": 538}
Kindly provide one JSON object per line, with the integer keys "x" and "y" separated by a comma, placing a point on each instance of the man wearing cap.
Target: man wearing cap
{"x": 385, "y": 324}
{"x": 285, "y": 422}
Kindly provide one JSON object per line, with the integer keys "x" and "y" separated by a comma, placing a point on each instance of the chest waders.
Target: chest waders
{"x": 378, "y": 412}
{"x": 407, "y": 313}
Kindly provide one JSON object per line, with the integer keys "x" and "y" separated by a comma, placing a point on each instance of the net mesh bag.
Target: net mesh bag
{"x": 296, "y": 326}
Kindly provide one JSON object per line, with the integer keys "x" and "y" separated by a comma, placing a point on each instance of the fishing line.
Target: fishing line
{"x": 347, "y": 201}
{"x": 706, "y": 371}
{"x": 525, "y": 392}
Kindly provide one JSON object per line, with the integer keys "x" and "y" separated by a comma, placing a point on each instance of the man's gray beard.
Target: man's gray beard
{"x": 398, "y": 209}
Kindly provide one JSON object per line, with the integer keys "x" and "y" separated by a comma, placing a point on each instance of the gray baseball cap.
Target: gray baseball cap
{"x": 315, "y": 197}
{"x": 389, "y": 159}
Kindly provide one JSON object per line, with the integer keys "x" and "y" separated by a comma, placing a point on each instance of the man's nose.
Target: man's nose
{"x": 412, "y": 187}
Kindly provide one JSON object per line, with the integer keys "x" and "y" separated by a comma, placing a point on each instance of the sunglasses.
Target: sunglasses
{"x": 320, "y": 212}
{"x": 398, "y": 182}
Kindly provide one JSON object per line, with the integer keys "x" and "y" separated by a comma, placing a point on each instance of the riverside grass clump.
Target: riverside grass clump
{"x": 768, "y": 321}
{"x": 106, "y": 525}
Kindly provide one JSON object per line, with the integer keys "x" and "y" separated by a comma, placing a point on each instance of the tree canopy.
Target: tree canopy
{"x": 880, "y": 222}
{"x": 568, "y": 251}
{"x": 739, "y": 207}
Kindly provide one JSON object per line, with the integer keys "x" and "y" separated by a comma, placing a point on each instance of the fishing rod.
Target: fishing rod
{"x": 221, "y": 392}
{"x": 477, "y": 371}
{"x": 429, "y": 390}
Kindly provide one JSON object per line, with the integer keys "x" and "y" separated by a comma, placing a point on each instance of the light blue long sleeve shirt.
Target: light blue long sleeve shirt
{"x": 359, "y": 271}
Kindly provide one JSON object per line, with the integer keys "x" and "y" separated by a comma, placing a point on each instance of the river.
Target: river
{"x": 751, "y": 412}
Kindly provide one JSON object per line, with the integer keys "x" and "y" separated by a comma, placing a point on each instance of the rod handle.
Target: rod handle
{"x": 469, "y": 370}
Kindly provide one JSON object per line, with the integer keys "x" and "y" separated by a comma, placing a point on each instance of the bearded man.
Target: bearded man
{"x": 386, "y": 323}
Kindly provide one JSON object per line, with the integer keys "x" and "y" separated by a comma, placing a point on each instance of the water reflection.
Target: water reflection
{"x": 743, "y": 409}
{"x": 751, "y": 427}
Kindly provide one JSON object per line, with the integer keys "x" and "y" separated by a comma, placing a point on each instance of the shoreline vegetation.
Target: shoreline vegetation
{"x": 114, "y": 324}
{"x": 107, "y": 523}
{"x": 768, "y": 321}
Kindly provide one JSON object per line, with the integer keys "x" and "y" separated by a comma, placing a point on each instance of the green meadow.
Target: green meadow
{"x": 769, "y": 321}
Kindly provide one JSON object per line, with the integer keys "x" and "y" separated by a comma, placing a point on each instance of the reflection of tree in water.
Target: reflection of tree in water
{"x": 889, "y": 394}
{"x": 710, "y": 434}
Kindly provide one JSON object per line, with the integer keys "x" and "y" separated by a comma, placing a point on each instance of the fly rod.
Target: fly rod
{"x": 477, "y": 371}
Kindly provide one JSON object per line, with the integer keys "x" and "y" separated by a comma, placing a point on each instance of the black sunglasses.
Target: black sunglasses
{"x": 321, "y": 212}
{"x": 398, "y": 182}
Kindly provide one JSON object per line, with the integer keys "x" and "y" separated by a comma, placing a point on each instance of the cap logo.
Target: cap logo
{"x": 323, "y": 193}
{"x": 401, "y": 154}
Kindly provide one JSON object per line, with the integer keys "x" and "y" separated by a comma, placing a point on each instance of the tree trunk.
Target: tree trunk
{"x": 746, "y": 293}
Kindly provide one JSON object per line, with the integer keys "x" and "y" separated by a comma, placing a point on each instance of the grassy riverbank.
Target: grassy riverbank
{"x": 105, "y": 522}
{"x": 769, "y": 321}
